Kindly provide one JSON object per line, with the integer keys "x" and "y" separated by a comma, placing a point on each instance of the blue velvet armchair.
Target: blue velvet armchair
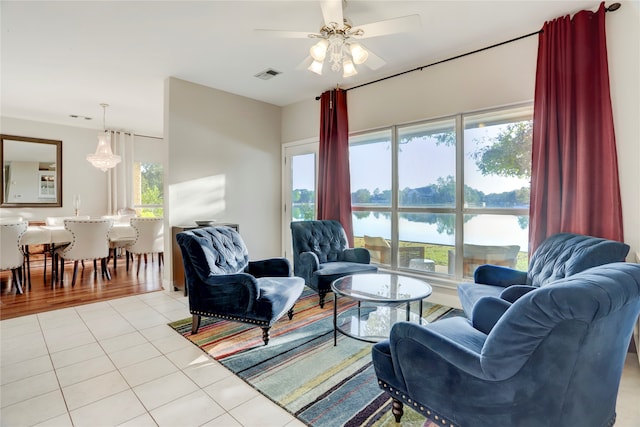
{"x": 552, "y": 358}
{"x": 321, "y": 255}
{"x": 223, "y": 283}
{"x": 559, "y": 256}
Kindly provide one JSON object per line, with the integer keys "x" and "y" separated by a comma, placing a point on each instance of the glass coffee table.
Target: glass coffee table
{"x": 382, "y": 300}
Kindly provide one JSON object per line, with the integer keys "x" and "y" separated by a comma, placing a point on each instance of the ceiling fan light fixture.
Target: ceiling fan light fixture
{"x": 358, "y": 53}
{"x": 348, "y": 69}
{"x": 316, "y": 67}
{"x": 319, "y": 50}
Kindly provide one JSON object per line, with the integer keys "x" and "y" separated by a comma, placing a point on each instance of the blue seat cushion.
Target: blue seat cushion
{"x": 469, "y": 293}
{"x": 330, "y": 271}
{"x": 277, "y": 296}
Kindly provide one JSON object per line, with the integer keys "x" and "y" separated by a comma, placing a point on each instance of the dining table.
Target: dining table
{"x": 55, "y": 236}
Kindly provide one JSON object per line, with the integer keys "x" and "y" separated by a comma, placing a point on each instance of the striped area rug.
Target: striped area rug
{"x": 301, "y": 370}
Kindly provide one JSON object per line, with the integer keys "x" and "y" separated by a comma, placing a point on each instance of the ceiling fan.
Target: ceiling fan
{"x": 339, "y": 39}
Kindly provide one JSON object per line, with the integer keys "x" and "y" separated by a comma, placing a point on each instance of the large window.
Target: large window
{"x": 148, "y": 194}
{"x": 426, "y": 192}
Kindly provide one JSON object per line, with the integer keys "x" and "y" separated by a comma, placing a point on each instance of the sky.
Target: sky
{"x": 421, "y": 163}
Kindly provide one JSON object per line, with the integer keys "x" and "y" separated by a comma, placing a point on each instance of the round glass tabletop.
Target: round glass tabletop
{"x": 381, "y": 288}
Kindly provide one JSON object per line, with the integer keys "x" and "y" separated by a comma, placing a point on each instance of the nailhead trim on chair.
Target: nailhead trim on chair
{"x": 227, "y": 317}
{"x": 415, "y": 405}
{"x": 431, "y": 415}
{"x": 17, "y": 242}
{"x": 73, "y": 236}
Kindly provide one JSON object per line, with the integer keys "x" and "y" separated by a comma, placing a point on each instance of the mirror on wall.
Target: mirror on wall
{"x": 31, "y": 172}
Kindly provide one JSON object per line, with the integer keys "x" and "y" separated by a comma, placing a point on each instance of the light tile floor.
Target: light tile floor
{"x": 117, "y": 363}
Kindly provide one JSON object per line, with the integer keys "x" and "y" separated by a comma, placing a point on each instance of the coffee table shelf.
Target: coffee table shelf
{"x": 382, "y": 300}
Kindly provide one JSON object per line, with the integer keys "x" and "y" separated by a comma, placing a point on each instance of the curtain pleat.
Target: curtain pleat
{"x": 574, "y": 186}
{"x": 120, "y": 181}
{"x": 334, "y": 180}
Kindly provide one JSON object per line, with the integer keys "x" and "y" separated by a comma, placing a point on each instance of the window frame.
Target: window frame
{"x": 459, "y": 210}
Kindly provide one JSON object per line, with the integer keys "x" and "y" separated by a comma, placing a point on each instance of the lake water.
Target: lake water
{"x": 481, "y": 230}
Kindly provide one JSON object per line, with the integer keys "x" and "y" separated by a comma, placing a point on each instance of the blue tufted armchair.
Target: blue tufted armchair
{"x": 553, "y": 358}
{"x": 559, "y": 256}
{"x": 223, "y": 283}
{"x": 321, "y": 255}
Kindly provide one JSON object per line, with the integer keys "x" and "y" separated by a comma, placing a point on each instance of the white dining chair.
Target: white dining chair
{"x": 90, "y": 241}
{"x": 12, "y": 257}
{"x": 119, "y": 243}
{"x": 149, "y": 239}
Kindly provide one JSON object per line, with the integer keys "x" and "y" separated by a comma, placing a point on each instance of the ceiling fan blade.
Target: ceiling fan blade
{"x": 283, "y": 34}
{"x": 403, "y": 24}
{"x": 373, "y": 61}
{"x": 332, "y": 11}
{"x": 304, "y": 64}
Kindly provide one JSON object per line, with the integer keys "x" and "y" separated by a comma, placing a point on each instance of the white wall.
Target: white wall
{"x": 78, "y": 176}
{"x": 499, "y": 76}
{"x": 223, "y": 163}
{"x": 623, "y": 48}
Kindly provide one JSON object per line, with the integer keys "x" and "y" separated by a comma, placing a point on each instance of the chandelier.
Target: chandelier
{"x": 335, "y": 43}
{"x": 104, "y": 158}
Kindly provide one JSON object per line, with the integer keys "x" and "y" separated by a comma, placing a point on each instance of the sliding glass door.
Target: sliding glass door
{"x": 299, "y": 188}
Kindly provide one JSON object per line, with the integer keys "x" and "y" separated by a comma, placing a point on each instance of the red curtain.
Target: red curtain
{"x": 574, "y": 185}
{"x": 334, "y": 182}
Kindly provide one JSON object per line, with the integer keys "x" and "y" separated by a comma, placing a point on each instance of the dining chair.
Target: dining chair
{"x": 119, "y": 243}
{"x": 12, "y": 256}
{"x": 90, "y": 241}
{"x": 35, "y": 242}
{"x": 149, "y": 239}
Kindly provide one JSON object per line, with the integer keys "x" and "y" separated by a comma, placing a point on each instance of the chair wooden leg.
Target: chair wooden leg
{"x": 54, "y": 269}
{"x": 145, "y": 259}
{"x": 138, "y": 268}
{"x": 75, "y": 272}
{"x": 16, "y": 272}
{"x": 160, "y": 258}
{"x": 265, "y": 335}
{"x": 397, "y": 409}
{"x": 44, "y": 268}
{"x": 115, "y": 258}
{"x": 27, "y": 266}
{"x": 105, "y": 268}
{"x": 195, "y": 323}
{"x": 128, "y": 255}
{"x": 290, "y": 313}
{"x": 321, "y": 302}
{"x": 61, "y": 270}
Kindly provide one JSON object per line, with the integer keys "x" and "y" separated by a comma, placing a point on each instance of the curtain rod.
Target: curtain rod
{"x": 147, "y": 136}
{"x": 612, "y": 8}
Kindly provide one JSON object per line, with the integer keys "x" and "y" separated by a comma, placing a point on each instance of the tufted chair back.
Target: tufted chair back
{"x": 90, "y": 239}
{"x": 213, "y": 251}
{"x": 565, "y": 254}
{"x": 326, "y": 238}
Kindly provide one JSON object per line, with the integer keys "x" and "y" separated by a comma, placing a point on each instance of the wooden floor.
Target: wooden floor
{"x": 41, "y": 297}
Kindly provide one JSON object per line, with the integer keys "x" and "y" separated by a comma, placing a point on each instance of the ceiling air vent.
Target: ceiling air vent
{"x": 268, "y": 74}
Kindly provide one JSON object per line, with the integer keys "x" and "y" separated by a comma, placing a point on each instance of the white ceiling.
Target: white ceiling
{"x": 66, "y": 57}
